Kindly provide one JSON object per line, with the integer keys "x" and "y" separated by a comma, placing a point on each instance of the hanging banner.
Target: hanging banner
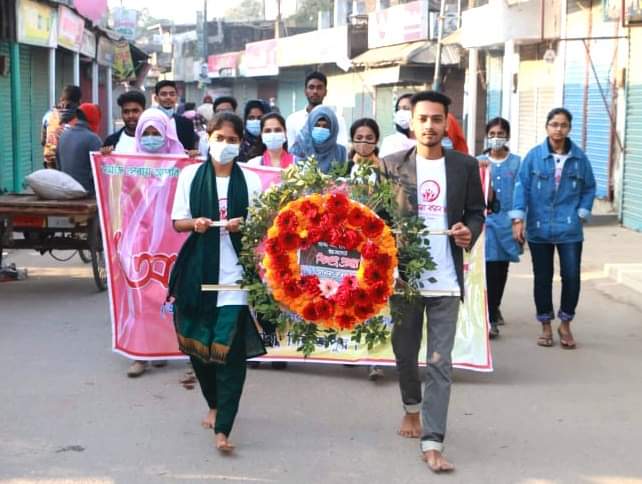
{"x": 125, "y": 21}
{"x": 135, "y": 195}
{"x": 105, "y": 52}
{"x": 70, "y": 29}
{"x": 88, "y": 45}
{"x": 37, "y": 24}
{"x": 413, "y": 16}
{"x": 260, "y": 59}
{"x": 223, "y": 65}
{"x": 123, "y": 63}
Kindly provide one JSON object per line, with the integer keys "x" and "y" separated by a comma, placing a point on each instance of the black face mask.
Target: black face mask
{"x": 67, "y": 114}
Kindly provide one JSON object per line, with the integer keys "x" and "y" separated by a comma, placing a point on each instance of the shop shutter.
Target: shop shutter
{"x": 39, "y": 100}
{"x": 574, "y": 89}
{"x": 384, "y": 110}
{"x": 536, "y": 97}
{"x": 632, "y": 177}
{"x": 6, "y": 140}
{"x": 493, "y": 85}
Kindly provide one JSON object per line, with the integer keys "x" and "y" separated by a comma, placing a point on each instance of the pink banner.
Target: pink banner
{"x": 135, "y": 196}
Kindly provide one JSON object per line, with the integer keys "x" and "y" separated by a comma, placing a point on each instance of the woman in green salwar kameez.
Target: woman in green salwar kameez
{"x": 215, "y": 328}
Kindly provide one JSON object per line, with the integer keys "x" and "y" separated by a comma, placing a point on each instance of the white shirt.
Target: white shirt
{"x": 126, "y": 144}
{"x": 296, "y": 121}
{"x": 395, "y": 143}
{"x": 560, "y": 161}
{"x": 431, "y": 207}
{"x": 230, "y": 271}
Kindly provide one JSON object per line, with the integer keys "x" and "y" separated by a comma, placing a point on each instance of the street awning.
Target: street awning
{"x": 421, "y": 52}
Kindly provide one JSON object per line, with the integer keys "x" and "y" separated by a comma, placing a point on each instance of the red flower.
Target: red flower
{"x": 370, "y": 250}
{"x": 374, "y": 274}
{"x": 346, "y": 321}
{"x": 310, "y": 285}
{"x": 314, "y": 236}
{"x": 324, "y": 309}
{"x": 309, "y": 210}
{"x": 379, "y": 292}
{"x": 383, "y": 260}
{"x": 280, "y": 261}
{"x": 349, "y": 282}
{"x": 373, "y": 227}
{"x": 310, "y": 312}
{"x": 351, "y": 239}
{"x": 272, "y": 246}
{"x": 343, "y": 297}
{"x": 363, "y": 311}
{"x": 356, "y": 217}
{"x": 289, "y": 240}
{"x": 292, "y": 288}
{"x": 336, "y": 237}
{"x": 338, "y": 204}
{"x": 281, "y": 275}
{"x": 360, "y": 297}
{"x": 287, "y": 221}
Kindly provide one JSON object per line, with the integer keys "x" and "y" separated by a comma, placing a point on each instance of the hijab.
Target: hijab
{"x": 165, "y": 126}
{"x": 327, "y": 152}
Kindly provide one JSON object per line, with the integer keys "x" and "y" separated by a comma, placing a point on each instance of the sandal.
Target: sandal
{"x": 545, "y": 340}
{"x": 565, "y": 342}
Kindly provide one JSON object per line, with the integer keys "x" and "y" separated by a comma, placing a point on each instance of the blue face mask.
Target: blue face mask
{"x": 320, "y": 135}
{"x": 153, "y": 143}
{"x": 253, "y": 126}
{"x": 168, "y": 111}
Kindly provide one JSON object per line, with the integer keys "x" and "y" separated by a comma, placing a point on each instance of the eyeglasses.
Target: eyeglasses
{"x": 558, "y": 125}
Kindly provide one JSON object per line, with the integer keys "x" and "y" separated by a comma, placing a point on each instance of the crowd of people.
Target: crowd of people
{"x": 543, "y": 199}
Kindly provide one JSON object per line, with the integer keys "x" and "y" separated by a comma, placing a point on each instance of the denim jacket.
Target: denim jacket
{"x": 554, "y": 215}
{"x": 500, "y": 244}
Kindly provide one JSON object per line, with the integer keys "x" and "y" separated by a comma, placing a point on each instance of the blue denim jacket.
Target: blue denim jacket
{"x": 500, "y": 244}
{"x": 554, "y": 215}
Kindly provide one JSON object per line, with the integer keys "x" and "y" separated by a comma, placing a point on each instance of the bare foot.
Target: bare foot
{"x": 223, "y": 444}
{"x": 210, "y": 419}
{"x": 410, "y": 426}
{"x": 437, "y": 462}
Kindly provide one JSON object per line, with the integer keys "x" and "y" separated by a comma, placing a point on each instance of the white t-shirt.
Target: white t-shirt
{"x": 230, "y": 271}
{"x": 431, "y": 207}
{"x": 395, "y": 143}
{"x": 296, "y": 121}
{"x": 560, "y": 160}
{"x": 126, "y": 144}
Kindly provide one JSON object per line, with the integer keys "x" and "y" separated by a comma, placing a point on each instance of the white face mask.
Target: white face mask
{"x": 402, "y": 118}
{"x": 223, "y": 152}
{"x": 273, "y": 141}
{"x": 497, "y": 143}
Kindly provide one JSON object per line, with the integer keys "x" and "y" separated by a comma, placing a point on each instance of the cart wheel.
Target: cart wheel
{"x": 97, "y": 256}
{"x": 85, "y": 256}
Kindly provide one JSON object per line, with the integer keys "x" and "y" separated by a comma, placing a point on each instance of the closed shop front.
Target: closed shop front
{"x": 536, "y": 88}
{"x": 632, "y": 178}
{"x": 494, "y": 78}
{"x": 588, "y": 95}
{"x": 6, "y": 139}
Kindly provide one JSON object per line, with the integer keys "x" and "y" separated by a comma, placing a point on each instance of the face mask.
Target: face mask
{"x": 222, "y": 152}
{"x": 363, "y": 148}
{"x": 447, "y": 143}
{"x": 253, "y": 126}
{"x": 273, "y": 140}
{"x": 497, "y": 143}
{"x": 320, "y": 135}
{"x": 66, "y": 114}
{"x": 402, "y": 118}
{"x": 152, "y": 144}
{"x": 168, "y": 111}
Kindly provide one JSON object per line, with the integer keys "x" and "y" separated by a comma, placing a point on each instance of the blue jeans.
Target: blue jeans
{"x": 570, "y": 256}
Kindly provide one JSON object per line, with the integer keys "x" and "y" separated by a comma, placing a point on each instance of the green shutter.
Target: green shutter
{"x": 39, "y": 101}
{"x": 6, "y": 139}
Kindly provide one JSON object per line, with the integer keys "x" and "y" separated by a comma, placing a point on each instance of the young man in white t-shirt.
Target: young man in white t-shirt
{"x": 132, "y": 105}
{"x": 443, "y": 187}
{"x": 316, "y": 89}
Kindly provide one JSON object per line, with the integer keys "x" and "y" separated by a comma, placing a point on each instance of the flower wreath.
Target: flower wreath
{"x": 335, "y": 219}
{"x": 338, "y": 208}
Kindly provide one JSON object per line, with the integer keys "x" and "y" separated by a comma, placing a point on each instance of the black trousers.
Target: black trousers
{"x": 496, "y": 277}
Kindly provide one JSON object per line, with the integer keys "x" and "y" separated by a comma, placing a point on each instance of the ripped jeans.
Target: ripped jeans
{"x": 442, "y": 313}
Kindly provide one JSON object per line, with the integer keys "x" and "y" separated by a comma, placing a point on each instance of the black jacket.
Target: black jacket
{"x": 465, "y": 199}
{"x": 186, "y": 134}
{"x": 114, "y": 138}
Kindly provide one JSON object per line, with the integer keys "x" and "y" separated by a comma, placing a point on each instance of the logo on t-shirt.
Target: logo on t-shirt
{"x": 430, "y": 191}
{"x": 222, "y": 208}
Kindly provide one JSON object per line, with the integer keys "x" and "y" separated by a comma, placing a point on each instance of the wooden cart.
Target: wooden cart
{"x": 27, "y": 222}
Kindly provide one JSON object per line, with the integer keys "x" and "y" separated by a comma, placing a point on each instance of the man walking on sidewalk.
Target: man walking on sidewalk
{"x": 442, "y": 187}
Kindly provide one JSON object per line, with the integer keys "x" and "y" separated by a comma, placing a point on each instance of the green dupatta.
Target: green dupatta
{"x": 203, "y": 330}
